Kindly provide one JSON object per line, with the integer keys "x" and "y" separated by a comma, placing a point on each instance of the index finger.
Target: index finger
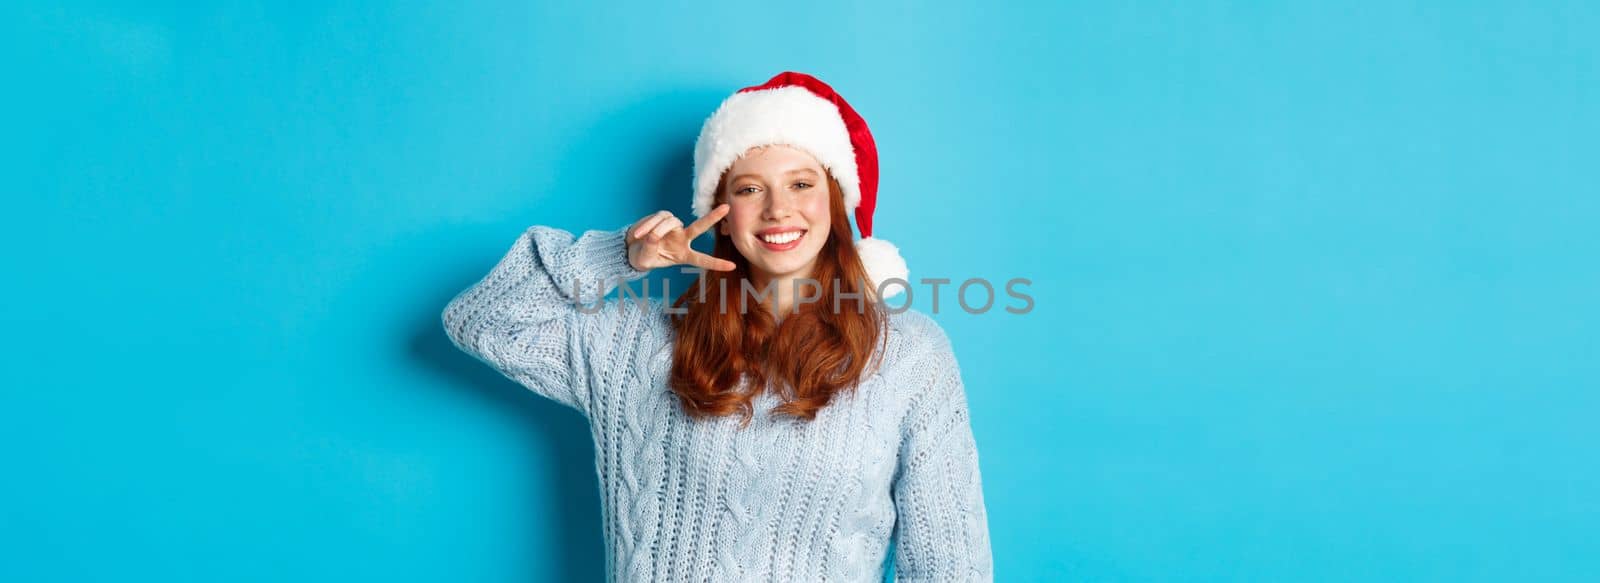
{"x": 696, "y": 228}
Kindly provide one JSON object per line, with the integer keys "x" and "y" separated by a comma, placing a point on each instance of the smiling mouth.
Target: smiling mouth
{"x": 783, "y": 238}
{"x": 781, "y": 241}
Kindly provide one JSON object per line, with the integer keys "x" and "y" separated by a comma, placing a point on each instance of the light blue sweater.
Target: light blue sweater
{"x": 781, "y": 499}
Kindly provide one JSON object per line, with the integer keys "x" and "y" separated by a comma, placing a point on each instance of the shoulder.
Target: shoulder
{"x": 917, "y": 332}
{"x": 922, "y": 370}
{"x": 626, "y": 325}
{"x": 917, "y": 342}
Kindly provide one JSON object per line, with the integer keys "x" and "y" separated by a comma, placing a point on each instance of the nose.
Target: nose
{"x": 779, "y": 206}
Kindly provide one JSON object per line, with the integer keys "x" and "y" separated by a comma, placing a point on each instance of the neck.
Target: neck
{"x": 782, "y": 297}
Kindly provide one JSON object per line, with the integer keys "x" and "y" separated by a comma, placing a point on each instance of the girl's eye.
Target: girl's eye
{"x": 746, "y": 190}
{"x": 802, "y": 185}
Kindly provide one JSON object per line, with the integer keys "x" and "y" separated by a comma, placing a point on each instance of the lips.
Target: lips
{"x": 781, "y": 239}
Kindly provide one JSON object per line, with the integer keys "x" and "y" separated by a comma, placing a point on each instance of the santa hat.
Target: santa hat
{"x": 798, "y": 110}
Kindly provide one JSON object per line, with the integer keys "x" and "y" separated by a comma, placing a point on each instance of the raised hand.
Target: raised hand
{"x": 661, "y": 240}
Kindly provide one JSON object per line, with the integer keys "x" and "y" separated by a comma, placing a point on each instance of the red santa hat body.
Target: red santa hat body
{"x": 797, "y": 110}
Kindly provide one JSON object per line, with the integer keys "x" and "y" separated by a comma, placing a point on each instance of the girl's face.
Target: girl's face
{"x": 778, "y": 215}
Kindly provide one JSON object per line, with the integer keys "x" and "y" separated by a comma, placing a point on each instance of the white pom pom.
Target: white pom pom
{"x": 883, "y": 262}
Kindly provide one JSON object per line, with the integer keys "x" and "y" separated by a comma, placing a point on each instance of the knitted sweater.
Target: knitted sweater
{"x": 704, "y": 500}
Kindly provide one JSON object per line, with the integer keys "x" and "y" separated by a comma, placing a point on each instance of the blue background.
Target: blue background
{"x": 1316, "y": 282}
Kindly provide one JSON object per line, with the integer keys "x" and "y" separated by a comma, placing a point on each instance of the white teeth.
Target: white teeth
{"x": 782, "y": 238}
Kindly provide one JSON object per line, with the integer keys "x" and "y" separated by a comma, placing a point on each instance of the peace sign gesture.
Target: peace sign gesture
{"x": 661, "y": 240}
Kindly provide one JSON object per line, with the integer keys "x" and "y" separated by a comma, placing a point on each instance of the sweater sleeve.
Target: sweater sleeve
{"x": 525, "y": 320}
{"x": 941, "y": 527}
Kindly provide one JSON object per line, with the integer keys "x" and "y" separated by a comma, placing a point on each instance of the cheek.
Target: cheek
{"x": 742, "y": 218}
{"x": 817, "y": 211}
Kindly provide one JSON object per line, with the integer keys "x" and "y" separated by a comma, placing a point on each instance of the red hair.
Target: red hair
{"x": 808, "y": 358}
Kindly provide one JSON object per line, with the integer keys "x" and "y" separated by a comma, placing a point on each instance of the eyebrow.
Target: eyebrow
{"x": 791, "y": 172}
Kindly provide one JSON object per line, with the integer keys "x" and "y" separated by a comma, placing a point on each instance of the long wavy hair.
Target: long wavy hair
{"x": 808, "y": 358}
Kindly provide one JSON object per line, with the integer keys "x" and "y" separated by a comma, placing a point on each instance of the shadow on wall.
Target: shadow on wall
{"x": 653, "y": 140}
{"x": 643, "y": 156}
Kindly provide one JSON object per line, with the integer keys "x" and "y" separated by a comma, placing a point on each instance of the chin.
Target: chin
{"x": 783, "y": 268}
{"x": 787, "y": 265}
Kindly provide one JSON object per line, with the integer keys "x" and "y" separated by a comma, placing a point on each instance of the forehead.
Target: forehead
{"x": 774, "y": 159}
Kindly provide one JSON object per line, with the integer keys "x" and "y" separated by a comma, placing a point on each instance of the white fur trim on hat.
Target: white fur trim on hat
{"x": 883, "y": 262}
{"x": 786, "y": 115}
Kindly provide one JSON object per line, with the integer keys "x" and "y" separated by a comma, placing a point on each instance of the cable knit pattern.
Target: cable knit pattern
{"x": 779, "y": 500}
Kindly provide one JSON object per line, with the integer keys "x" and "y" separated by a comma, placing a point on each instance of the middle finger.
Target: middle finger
{"x": 665, "y": 226}
{"x": 643, "y": 227}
